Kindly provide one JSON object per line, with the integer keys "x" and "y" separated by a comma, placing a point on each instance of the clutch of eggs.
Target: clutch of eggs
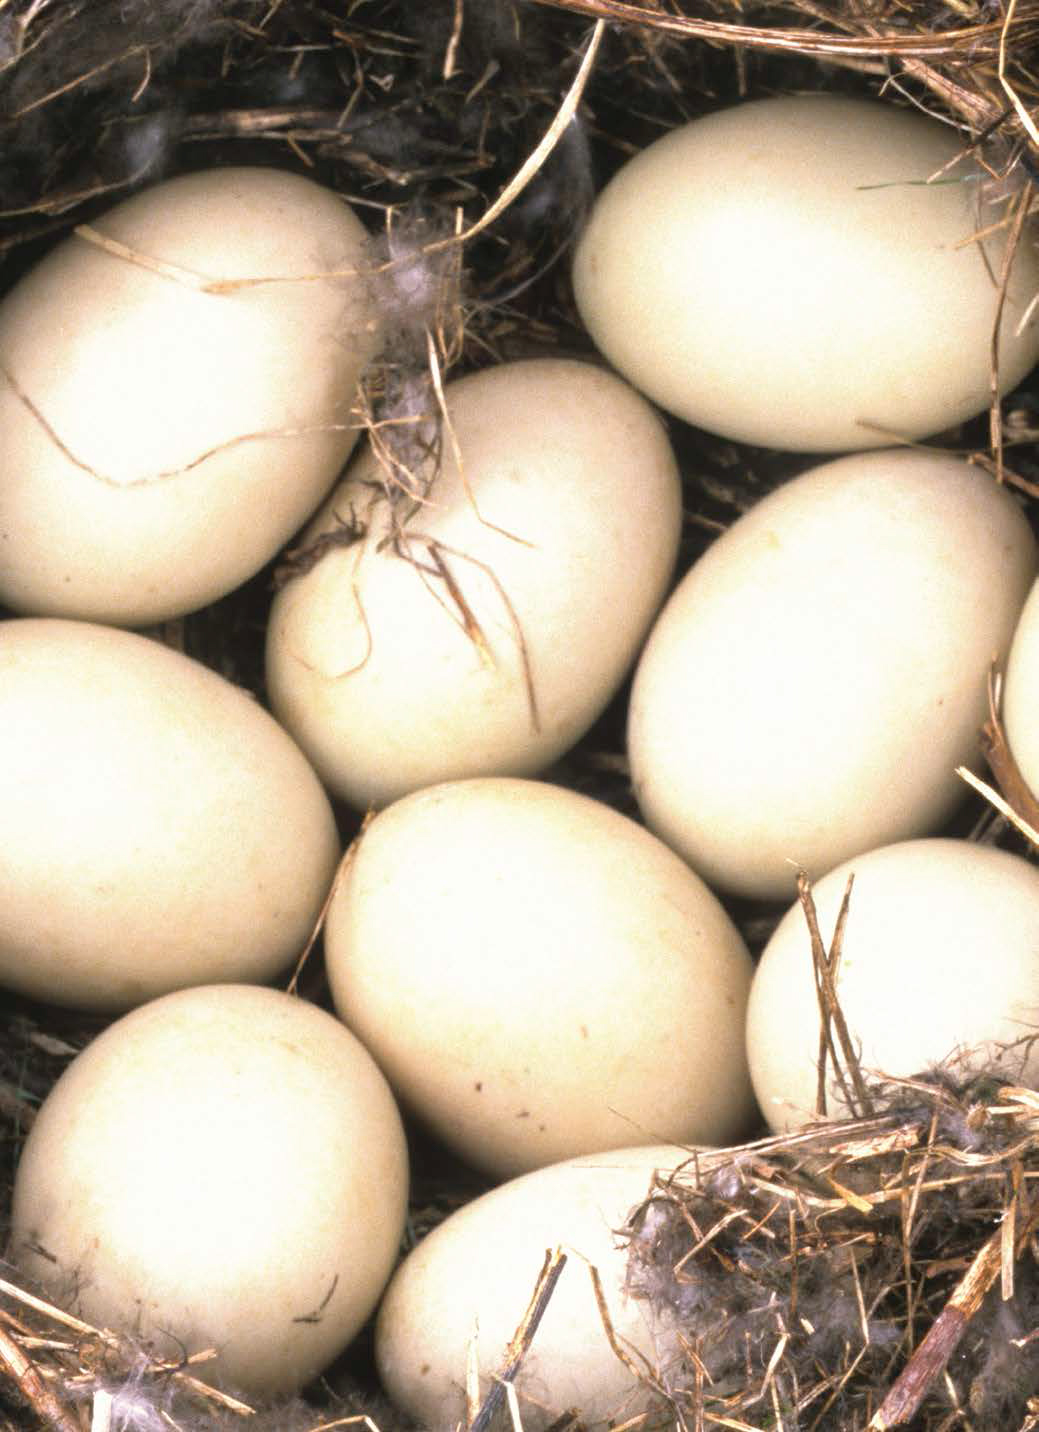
{"x": 538, "y": 976}
{"x": 938, "y": 964}
{"x": 817, "y": 676}
{"x": 222, "y": 1168}
{"x": 163, "y": 428}
{"x": 446, "y": 640}
{"x": 160, "y": 829}
{"x": 802, "y": 272}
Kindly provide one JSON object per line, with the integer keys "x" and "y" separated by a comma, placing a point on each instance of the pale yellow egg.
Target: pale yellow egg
{"x": 160, "y": 829}
{"x": 939, "y": 965}
{"x": 461, "y": 1295}
{"x": 167, "y": 422}
{"x": 223, "y": 1168}
{"x": 538, "y": 976}
{"x": 1021, "y": 693}
{"x": 481, "y": 630}
{"x": 801, "y": 272}
{"x": 817, "y": 676}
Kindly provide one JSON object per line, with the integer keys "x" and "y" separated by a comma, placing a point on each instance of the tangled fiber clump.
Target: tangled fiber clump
{"x": 872, "y": 1273}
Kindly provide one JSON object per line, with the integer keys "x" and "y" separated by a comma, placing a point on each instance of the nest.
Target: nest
{"x": 865, "y": 1274}
{"x": 870, "y": 1273}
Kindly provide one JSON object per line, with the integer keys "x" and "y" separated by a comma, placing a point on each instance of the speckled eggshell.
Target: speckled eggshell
{"x": 940, "y": 955}
{"x": 816, "y": 678}
{"x": 158, "y": 442}
{"x": 781, "y": 272}
{"x": 470, "y": 1280}
{"x": 492, "y": 632}
{"x": 223, "y": 1168}
{"x": 538, "y": 976}
{"x": 159, "y": 828}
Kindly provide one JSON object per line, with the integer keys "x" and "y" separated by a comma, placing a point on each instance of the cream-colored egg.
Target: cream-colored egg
{"x": 489, "y": 636}
{"x": 223, "y": 1168}
{"x": 539, "y": 977}
{"x": 158, "y": 442}
{"x": 940, "y": 955}
{"x": 783, "y": 273}
{"x": 466, "y": 1288}
{"x": 814, "y": 681}
{"x": 1021, "y": 693}
{"x": 159, "y": 828}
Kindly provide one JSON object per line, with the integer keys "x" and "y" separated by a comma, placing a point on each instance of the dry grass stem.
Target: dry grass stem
{"x": 931, "y": 1357}
{"x": 1005, "y": 809}
{"x": 551, "y": 1271}
{"x": 783, "y": 1254}
{"x": 74, "y": 1365}
{"x": 167, "y": 474}
{"x": 40, "y": 1397}
{"x": 1014, "y": 799}
{"x": 825, "y": 965}
{"x": 346, "y": 861}
{"x": 986, "y": 37}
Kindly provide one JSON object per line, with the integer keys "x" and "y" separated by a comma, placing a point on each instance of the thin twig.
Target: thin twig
{"x": 42, "y": 1399}
{"x": 932, "y": 1356}
{"x": 825, "y": 966}
{"x": 551, "y": 1269}
{"x": 983, "y": 38}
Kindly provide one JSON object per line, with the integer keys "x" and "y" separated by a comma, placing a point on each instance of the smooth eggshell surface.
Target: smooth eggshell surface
{"x": 474, "y": 1275}
{"x": 538, "y": 976}
{"x": 1021, "y": 693}
{"x": 940, "y": 954}
{"x": 225, "y": 1168}
{"x": 815, "y": 679}
{"x": 159, "y": 443}
{"x": 781, "y": 272}
{"x": 493, "y": 631}
{"x": 159, "y": 828}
